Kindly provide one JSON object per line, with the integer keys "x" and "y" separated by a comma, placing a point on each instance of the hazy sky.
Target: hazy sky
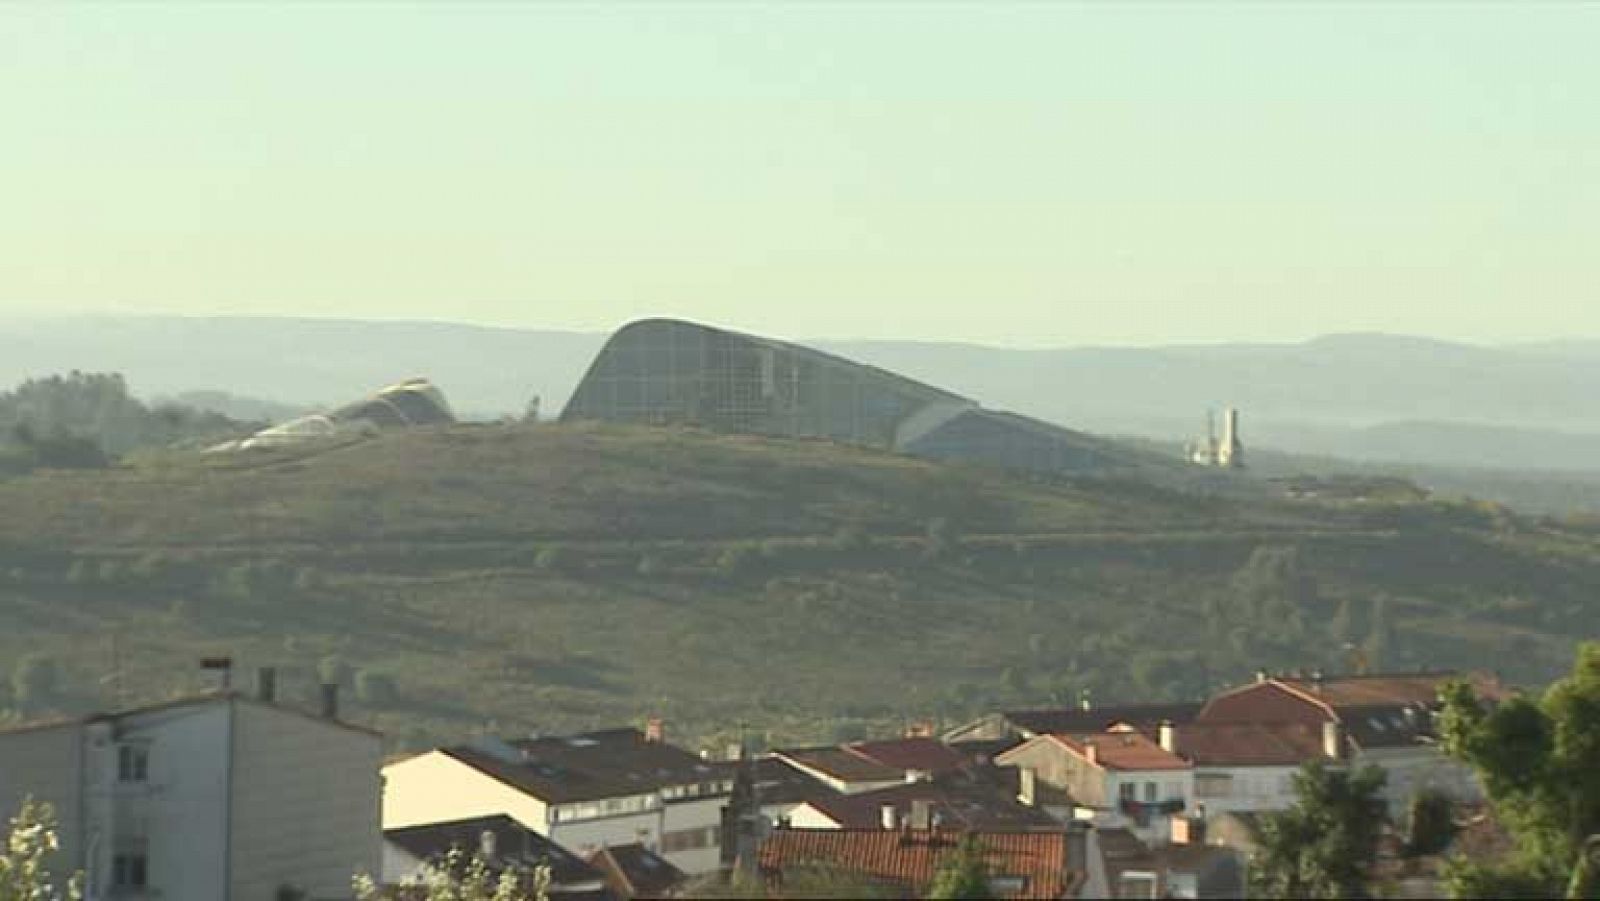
{"x": 1025, "y": 173}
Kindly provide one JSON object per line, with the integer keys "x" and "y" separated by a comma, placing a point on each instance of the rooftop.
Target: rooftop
{"x": 925, "y": 754}
{"x": 1390, "y": 688}
{"x": 842, "y": 764}
{"x": 192, "y": 700}
{"x": 1128, "y": 751}
{"x": 1036, "y": 861}
{"x": 1070, "y": 720}
{"x": 963, "y": 806}
{"x": 1249, "y": 744}
{"x": 634, "y": 871}
{"x": 515, "y": 846}
{"x": 608, "y": 764}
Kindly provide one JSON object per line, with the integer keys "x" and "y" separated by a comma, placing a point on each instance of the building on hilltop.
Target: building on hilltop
{"x": 1226, "y": 452}
{"x": 584, "y": 792}
{"x": 414, "y": 402}
{"x": 221, "y": 796}
{"x": 663, "y": 371}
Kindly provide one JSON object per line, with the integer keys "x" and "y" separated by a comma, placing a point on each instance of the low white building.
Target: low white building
{"x": 583, "y": 792}
{"x": 217, "y": 797}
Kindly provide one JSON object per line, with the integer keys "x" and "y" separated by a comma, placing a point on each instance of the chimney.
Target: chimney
{"x": 267, "y": 684}
{"x": 1168, "y": 737}
{"x": 921, "y": 814}
{"x": 487, "y": 845}
{"x": 1091, "y": 753}
{"x": 655, "y": 730}
{"x": 220, "y": 669}
{"x": 1028, "y": 786}
{"x": 330, "y": 700}
{"x": 1333, "y": 739}
{"x": 1261, "y": 675}
{"x": 887, "y": 818}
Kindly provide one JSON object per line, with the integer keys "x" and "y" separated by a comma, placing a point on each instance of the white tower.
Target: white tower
{"x": 1230, "y": 453}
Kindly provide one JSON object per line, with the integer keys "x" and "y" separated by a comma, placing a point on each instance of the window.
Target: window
{"x": 1126, "y": 791}
{"x": 130, "y": 871}
{"x": 133, "y": 763}
{"x": 1150, "y": 792}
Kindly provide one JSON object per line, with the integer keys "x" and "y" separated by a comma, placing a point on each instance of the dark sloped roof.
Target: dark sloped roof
{"x": 968, "y": 806}
{"x": 841, "y": 764}
{"x": 515, "y": 846}
{"x": 1144, "y": 717}
{"x": 911, "y": 858}
{"x": 634, "y": 871}
{"x": 779, "y": 782}
{"x": 925, "y": 754}
{"x": 594, "y": 765}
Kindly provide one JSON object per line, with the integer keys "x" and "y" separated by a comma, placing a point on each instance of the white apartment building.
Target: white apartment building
{"x": 216, "y": 797}
{"x": 583, "y": 792}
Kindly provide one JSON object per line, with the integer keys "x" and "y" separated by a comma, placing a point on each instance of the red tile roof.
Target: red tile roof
{"x": 911, "y": 858}
{"x": 1121, "y": 751}
{"x": 1381, "y": 689}
{"x": 1249, "y": 744}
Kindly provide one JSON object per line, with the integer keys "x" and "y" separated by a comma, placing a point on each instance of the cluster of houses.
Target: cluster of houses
{"x": 233, "y": 795}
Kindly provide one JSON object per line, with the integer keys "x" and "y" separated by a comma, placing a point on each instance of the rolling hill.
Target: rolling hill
{"x": 546, "y": 577}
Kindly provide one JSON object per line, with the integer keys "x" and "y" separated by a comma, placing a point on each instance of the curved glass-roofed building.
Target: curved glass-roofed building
{"x": 670, "y": 371}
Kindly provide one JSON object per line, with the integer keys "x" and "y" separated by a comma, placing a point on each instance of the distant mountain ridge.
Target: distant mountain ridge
{"x": 1370, "y": 396}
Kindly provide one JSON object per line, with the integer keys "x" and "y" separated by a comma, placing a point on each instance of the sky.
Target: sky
{"x": 1026, "y": 173}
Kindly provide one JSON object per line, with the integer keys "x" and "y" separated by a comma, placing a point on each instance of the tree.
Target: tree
{"x": 24, "y": 875}
{"x": 462, "y": 877}
{"x": 1323, "y": 846}
{"x": 1536, "y": 760}
{"x": 963, "y": 873}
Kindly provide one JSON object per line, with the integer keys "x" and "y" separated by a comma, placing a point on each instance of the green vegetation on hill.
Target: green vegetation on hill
{"x": 84, "y": 420}
{"x": 516, "y": 577}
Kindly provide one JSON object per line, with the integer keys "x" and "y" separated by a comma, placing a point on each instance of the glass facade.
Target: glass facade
{"x": 664, "y": 371}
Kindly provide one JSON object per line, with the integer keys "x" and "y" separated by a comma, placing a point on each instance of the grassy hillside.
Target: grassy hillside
{"x": 552, "y": 577}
